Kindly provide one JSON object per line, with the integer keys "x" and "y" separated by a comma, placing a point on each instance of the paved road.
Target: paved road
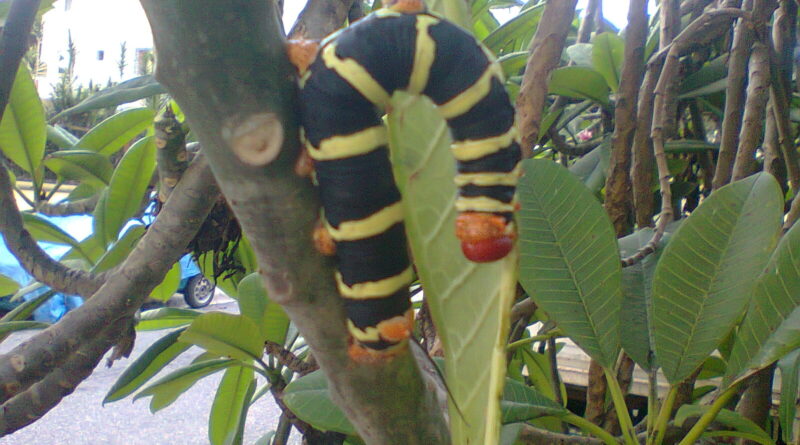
{"x": 80, "y": 419}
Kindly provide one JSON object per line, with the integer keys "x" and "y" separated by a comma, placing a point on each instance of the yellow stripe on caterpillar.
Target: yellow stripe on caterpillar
{"x": 375, "y": 289}
{"x": 484, "y": 204}
{"x": 347, "y": 146}
{"x": 356, "y": 76}
{"x": 394, "y": 329}
{"x": 304, "y": 78}
{"x": 489, "y": 178}
{"x": 468, "y": 98}
{"x": 472, "y": 149}
{"x": 372, "y": 225}
{"x": 424, "y": 54}
{"x": 370, "y": 334}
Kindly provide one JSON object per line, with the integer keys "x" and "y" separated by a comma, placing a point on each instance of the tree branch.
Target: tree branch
{"x": 734, "y": 99}
{"x": 705, "y": 27}
{"x": 618, "y": 202}
{"x": 544, "y": 56}
{"x": 82, "y": 337}
{"x": 754, "y": 110}
{"x": 246, "y": 121}
{"x": 320, "y": 18}
{"x": 77, "y": 207}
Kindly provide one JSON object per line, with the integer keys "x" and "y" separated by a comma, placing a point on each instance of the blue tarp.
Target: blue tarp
{"x": 79, "y": 227}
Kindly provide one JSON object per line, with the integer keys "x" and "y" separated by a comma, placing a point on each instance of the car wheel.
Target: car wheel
{"x": 199, "y": 292}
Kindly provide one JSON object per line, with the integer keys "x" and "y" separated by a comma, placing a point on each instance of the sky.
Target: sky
{"x": 615, "y": 11}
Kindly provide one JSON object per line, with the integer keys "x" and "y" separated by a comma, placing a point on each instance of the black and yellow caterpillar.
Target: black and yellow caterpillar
{"x": 344, "y": 92}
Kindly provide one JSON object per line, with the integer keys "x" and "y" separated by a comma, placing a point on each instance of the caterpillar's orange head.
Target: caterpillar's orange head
{"x": 485, "y": 237}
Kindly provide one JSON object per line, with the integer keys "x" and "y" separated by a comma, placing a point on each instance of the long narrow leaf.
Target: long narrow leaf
{"x": 308, "y": 398}
{"x": 147, "y": 365}
{"x": 126, "y": 190}
{"x": 771, "y": 327}
{"x": 23, "y": 130}
{"x": 169, "y": 388}
{"x": 81, "y": 165}
{"x": 229, "y": 405}
{"x": 254, "y": 303}
{"x": 706, "y": 274}
{"x": 109, "y": 136}
{"x": 569, "y": 262}
{"x": 607, "y": 56}
{"x": 469, "y": 302}
{"x": 124, "y": 92}
{"x": 225, "y": 334}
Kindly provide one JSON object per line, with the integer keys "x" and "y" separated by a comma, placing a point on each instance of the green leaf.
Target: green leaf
{"x": 147, "y": 365}
{"x": 230, "y": 335}
{"x": 522, "y": 403}
{"x": 122, "y": 93}
{"x": 60, "y": 136}
{"x": 510, "y": 433}
{"x": 42, "y": 229}
{"x": 113, "y": 133}
{"x": 513, "y": 63}
{"x": 229, "y": 405}
{"x": 579, "y": 83}
{"x": 710, "y": 78}
{"x": 787, "y": 411}
{"x": 706, "y": 274}
{"x": 569, "y": 262}
{"x": 608, "y": 52}
{"x": 8, "y": 327}
{"x": 167, "y": 288}
{"x": 8, "y": 286}
{"x": 580, "y": 54}
{"x": 118, "y": 251}
{"x": 254, "y": 303}
{"x": 126, "y": 190}
{"x": 167, "y": 389}
{"x": 165, "y": 318}
{"x": 591, "y": 168}
{"x": 469, "y": 302}
{"x": 515, "y": 34}
{"x": 25, "y": 310}
{"x": 725, "y": 417}
{"x": 81, "y": 165}
{"x": 455, "y": 11}
{"x": 637, "y": 294}
{"x": 90, "y": 249}
{"x": 81, "y": 191}
{"x": 771, "y": 327}
{"x": 23, "y": 130}
{"x": 308, "y": 398}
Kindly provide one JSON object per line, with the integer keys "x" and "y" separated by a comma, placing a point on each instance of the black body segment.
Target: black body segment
{"x": 343, "y": 96}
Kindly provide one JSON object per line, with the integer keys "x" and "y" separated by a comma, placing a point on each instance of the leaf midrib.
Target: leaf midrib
{"x": 559, "y": 243}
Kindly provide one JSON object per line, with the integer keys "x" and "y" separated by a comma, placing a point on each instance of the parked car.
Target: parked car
{"x": 197, "y": 290}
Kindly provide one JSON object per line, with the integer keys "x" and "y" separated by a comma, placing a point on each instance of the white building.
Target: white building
{"x": 98, "y": 29}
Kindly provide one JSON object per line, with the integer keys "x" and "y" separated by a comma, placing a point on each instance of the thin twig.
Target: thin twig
{"x": 706, "y": 26}
{"x": 288, "y": 359}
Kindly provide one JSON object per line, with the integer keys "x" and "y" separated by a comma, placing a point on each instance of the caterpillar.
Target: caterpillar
{"x": 344, "y": 92}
